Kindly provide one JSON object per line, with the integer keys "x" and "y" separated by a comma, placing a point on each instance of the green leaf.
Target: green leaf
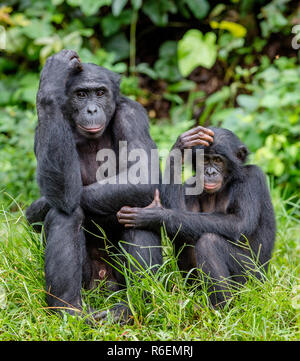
{"x": 38, "y": 29}
{"x": 199, "y": 8}
{"x": 270, "y": 101}
{"x": 248, "y": 102}
{"x": 196, "y": 49}
{"x": 166, "y": 66}
{"x": 111, "y": 24}
{"x": 91, "y": 7}
{"x": 117, "y": 6}
{"x": 158, "y": 11}
{"x": 74, "y": 2}
{"x": 168, "y": 49}
{"x": 136, "y": 4}
{"x": 119, "y": 45}
{"x": 144, "y": 68}
{"x": 57, "y": 2}
{"x": 183, "y": 85}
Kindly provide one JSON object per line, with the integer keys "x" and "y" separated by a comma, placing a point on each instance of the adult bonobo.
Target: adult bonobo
{"x": 235, "y": 205}
{"x": 81, "y": 112}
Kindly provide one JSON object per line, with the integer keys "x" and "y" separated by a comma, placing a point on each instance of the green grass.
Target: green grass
{"x": 260, "y": 311}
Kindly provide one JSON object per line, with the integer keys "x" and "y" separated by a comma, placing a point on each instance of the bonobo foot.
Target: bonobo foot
{"x": 36, "y": 213}
{"x": 120, "y": 313}
{"x": 90, "y": 315}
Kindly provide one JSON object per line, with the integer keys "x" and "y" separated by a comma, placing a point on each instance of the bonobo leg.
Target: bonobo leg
{"x": 220, "y": 261}
{"x": 66, "y": 263}
{"x": 145, "y": 248}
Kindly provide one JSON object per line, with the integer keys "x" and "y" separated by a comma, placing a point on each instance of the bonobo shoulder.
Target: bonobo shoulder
{"x": 132, "y": 109}
{"x": 253, "y": 170}
{"x": 129, "y": 104}
{"x": 254, "y": 174}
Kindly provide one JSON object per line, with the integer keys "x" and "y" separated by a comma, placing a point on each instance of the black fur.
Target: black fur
{"x": 69, "y": 107}
{"x": 216, "y": 225}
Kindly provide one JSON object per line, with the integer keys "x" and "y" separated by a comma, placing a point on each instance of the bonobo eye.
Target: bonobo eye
{"x": 218, "y": 160}
{"x": 81, "y": 94}
{"x": 206, "y": 159}
{"x": 100, "y": 92}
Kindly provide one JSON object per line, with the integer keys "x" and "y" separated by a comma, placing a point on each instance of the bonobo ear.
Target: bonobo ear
{"x": 242, "y": 153}
{"x": 116, "y": 79}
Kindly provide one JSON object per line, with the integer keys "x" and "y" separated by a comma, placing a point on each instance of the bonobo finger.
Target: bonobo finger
{"x": 198, "y": 129}
{"x": 125, "y": 209}
{"x": 206, "y": 137}
{"x": 129, "y": 210}
{"x": 197, "y": 142}
{"x": 127, "y": 225}
{"x": 200, "y": 136}
{"x": 127, "y": 216}
{"x": 157, "y": 198}
{"x": 206, "y": 130}
{"x": 156, "y": 195}
{"x": 75, "y": 64}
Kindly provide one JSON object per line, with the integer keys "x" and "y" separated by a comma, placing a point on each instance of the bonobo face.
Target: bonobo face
{"x": 92, "y": 97}
{"x": 214, "y": 172}
{"x": 223, "y": 159}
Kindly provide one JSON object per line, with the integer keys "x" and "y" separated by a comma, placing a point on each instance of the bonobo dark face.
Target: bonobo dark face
{"x": 223, "y": 159}
{"x": 92, "y": 96}
{"x": 215, "y": 171}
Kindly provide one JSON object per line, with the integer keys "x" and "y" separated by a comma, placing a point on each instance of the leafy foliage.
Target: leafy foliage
{"x": 209, "y": 70}
{"x": 267, "y": 120}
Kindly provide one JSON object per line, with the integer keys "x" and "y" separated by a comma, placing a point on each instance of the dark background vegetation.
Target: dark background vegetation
{"x": 188, "y": 62}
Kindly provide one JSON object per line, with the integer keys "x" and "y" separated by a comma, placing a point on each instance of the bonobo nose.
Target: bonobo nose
{"x": 210, "y": 171}
{"x": 92, "y": 109}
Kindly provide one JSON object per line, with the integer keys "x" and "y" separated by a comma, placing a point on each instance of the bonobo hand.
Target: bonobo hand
{"x": 193, "y": 137}
{"x": 141, "y": 217}
{"x": 56, "y": 70}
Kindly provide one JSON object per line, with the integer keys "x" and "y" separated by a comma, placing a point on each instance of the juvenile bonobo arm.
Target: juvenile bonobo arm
{"x": 172, "y": 192}
{"x": 130, "y": 124}
{"x": 242, "y": 219}
{"x": 58, "y": 171}
{"x": 193, "y": 137}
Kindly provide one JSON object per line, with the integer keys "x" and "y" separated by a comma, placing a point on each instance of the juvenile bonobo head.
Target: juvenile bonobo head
{"x": 223, "y": 159}
{"x": 92, "y": 97}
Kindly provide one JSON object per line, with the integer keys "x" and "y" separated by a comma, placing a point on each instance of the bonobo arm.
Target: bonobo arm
{"x": 58, "y": 170}
{"x": 242, "y": 219}
{"x": 130, "y": 124}
{"x": 172, "y": 192}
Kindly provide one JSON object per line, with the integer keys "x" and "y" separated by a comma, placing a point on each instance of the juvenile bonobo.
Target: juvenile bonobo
{"x": 235, "y": 205}
{"x": 81, "y": 112}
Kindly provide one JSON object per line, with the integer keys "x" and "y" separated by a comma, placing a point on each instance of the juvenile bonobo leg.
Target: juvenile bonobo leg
{"x": 212, "y": 253}
{"x": 65, "y": 258}
{"x": 145, "y": 248}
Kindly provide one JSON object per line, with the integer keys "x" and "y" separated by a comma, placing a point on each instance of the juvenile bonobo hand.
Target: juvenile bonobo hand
{"x": 141, "y": 217}
{"x": 55, "y": 72}
{"x": 196, "y": 136}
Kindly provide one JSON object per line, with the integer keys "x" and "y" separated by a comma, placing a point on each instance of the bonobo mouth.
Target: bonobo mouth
{"x": 211, "y": 186}
{"x": 91, "y": 130}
